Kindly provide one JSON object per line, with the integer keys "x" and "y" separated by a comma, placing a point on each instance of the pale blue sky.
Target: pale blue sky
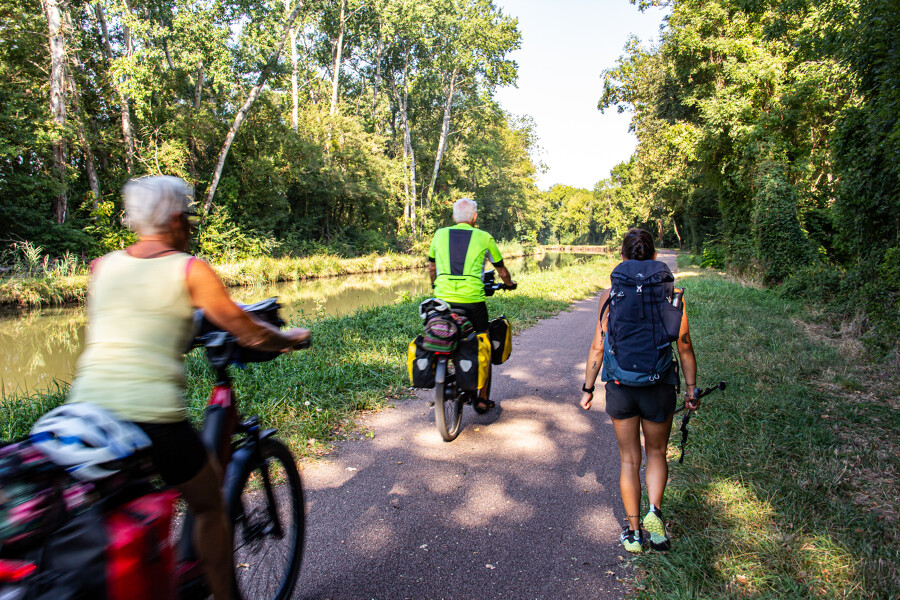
{"x": 566, "y": 44}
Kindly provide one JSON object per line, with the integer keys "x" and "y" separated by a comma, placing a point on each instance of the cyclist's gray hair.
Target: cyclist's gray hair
{"x": 151, "y": 201}
{"x": 464, "y": 210}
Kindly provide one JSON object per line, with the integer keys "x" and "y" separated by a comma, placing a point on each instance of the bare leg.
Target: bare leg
{"x": 656, "y": 441}
{"x": 483, "y": 392}
{"x": 629, "y": 437}
{"x": 212, "y": 534}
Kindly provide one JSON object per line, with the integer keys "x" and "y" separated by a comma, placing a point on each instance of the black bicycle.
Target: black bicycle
{"x": 262, "y": 488}
{"x": 449, "y": 399}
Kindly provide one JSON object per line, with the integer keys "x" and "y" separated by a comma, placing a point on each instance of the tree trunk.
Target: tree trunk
{"x": 407, "y": 143}
{"x": 295, "y": 111}
{"x": 377, "y": 75}
{"x": 677, "y": 233}
{"x": 659, "y": 228}
{"x": 295, "y": 73}
{"x": 339, "y": 50}
{"x": 445, "y": 132}
{"x": 201, "y": 79}
{"x": 242, "y": 113}
{"x": 53, "y": 9}
{"x": 80, "y": 118}
{"x": 127, "y": 131}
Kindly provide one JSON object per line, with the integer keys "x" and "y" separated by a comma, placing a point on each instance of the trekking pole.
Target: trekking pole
{"x": 688, "y": 414}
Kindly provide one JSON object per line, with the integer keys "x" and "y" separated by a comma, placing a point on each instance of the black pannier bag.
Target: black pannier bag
{"x": 472, "y": 359}
{"x": 420, "y": 364}
{"x": 501, "y": 340}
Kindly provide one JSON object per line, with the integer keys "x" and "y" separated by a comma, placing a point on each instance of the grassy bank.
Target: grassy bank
{"x": 41, "y": 287}
{"x": 790, "y": 485}
{"x": 357, "y": 362}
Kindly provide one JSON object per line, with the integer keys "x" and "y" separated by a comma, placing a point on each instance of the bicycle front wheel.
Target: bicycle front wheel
{"x": 269, "y": 525}
{"x": 448, "y": 402}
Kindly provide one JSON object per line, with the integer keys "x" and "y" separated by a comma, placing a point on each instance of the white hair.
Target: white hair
{"x": 464, "y": 210}
{"x": 151, "y": 201}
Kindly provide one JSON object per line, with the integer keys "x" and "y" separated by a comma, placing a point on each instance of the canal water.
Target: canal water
{"x": 40, "y": 347}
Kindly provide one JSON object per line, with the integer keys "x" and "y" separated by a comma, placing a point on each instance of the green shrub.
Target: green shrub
{"x": 817, "y": 281}
{"x": 712, "y": 256}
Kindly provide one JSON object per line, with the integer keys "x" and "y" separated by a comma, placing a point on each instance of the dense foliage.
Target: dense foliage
{"x": 769, "y": 137}
{"x": 344, "y": 123}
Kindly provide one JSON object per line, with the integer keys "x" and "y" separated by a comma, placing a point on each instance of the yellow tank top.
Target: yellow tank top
{"x": 139, "y": 322}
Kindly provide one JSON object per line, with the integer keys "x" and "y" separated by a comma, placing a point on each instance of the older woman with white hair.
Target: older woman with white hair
{"x": 140, "y": 309}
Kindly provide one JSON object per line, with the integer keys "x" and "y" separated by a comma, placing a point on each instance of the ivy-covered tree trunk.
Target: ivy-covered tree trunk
{"x": 781, "y": 245}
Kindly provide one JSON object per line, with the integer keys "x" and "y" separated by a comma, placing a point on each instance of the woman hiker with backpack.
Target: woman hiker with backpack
{"x": 640, "y": 315}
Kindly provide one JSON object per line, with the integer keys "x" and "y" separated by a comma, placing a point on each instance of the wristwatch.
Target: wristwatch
{"x": 589, "y": 390}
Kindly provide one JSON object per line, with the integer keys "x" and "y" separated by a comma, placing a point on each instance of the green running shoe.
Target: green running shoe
{"x": 654, "y": 523}
{"x": 632, "y": 540}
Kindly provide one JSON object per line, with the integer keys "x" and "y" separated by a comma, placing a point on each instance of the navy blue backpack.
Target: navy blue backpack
{"x": 642, "y": 323}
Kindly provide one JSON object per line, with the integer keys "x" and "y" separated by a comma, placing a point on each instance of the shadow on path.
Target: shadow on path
{"x": 523, "y": 504}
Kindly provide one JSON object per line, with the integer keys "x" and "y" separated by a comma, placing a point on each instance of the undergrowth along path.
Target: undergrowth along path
{"x": 789, "y": 488}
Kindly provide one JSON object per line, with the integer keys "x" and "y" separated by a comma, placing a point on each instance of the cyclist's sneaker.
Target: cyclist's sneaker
{"x": 632, "y": 540}
{"x": 653, "y": 523}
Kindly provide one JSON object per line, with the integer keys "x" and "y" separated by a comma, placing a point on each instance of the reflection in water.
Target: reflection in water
{"x": 38, "y": 347}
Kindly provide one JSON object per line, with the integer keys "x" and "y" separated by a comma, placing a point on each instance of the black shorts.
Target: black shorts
{"x": 477, "y": 312}
{"x": 178, "y": 452}
{"x": 655, "y": 402}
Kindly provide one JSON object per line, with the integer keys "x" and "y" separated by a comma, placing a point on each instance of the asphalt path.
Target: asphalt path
{"x": 523, "y": 504}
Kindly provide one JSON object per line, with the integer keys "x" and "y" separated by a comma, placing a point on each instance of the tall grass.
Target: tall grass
{"x": 357, "y": 362}
{"x": 789, "y": 489}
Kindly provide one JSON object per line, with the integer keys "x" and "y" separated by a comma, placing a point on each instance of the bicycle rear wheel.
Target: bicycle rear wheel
{"x": 269, "y": 525}
{"x": 448, "y": 401}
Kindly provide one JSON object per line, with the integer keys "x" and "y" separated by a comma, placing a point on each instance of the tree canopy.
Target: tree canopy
{"x": 347, "y": 122}
{"x": 768, "y": 135}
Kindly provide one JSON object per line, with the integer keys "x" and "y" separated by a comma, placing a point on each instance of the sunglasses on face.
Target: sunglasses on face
{"x": 193, "y": 219}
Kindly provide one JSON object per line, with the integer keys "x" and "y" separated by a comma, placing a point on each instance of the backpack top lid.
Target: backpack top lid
{"x": 631, "y": 272}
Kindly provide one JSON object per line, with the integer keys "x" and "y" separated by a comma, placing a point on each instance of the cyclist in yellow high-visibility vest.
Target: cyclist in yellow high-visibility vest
{"x": 456, "y": 262}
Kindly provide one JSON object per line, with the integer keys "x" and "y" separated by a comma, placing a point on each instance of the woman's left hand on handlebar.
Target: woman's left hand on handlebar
{"x": 298, "y": 336}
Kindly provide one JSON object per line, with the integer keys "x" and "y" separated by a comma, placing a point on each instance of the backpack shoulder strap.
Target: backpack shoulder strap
{"x": 605, "y": 305}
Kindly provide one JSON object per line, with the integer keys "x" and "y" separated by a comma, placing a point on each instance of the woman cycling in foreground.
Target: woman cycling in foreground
{"x": 140, "y": 308}
{"x": 647, "y": 408}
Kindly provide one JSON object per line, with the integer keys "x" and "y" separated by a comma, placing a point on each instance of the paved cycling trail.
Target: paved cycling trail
{"x": 524, "y": 504}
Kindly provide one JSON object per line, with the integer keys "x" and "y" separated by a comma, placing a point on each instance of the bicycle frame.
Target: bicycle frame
{"x": 221, "y": 423}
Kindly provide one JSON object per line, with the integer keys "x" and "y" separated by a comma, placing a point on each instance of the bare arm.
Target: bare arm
{"x": 688, "y": 361}
{"x": 209, "y": 293}
{"x": 503, "y": 272}
{"x": 432, "y": 271}
{"x": 595, "y": 355}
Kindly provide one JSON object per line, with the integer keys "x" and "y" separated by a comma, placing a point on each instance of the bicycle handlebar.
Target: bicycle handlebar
{"x": 222, "y": 347}
{"x": 491, "y": 285}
